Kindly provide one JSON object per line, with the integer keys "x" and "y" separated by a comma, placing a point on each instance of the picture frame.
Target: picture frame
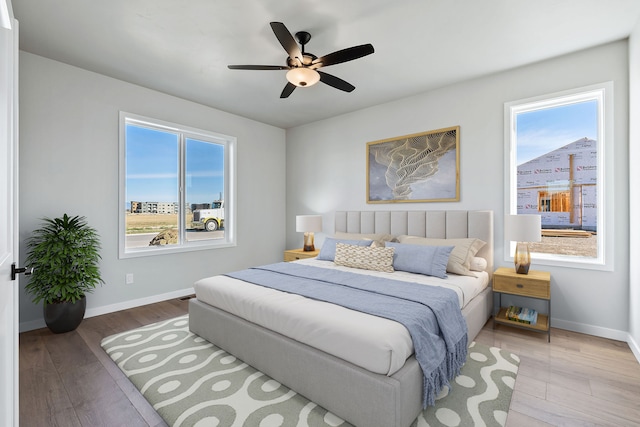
{"x": 415, "y": 168}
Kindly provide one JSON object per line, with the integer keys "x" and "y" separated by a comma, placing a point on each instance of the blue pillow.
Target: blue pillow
{"x": 428, "y": 260}
{"x": 328, "y": 250}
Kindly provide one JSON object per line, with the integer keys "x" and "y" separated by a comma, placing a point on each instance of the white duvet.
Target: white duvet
{"x": 373, "y": 343}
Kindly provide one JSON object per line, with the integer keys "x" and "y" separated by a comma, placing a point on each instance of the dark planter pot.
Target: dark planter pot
{"x": 64, "y": 316}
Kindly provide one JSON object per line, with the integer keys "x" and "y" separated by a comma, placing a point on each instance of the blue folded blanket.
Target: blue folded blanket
{"x": 431, "y": 314}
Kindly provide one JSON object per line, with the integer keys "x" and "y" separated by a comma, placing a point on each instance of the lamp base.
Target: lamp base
{"x": 522, "y": 258}
{"x": 308, "y": 242}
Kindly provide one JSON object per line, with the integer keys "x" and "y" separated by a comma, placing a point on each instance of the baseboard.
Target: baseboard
{"x": 635, "y": 348}
{"x": 597, "y": 331}
{"x": 98, "y": 311}
{"x": 32, "y": 325}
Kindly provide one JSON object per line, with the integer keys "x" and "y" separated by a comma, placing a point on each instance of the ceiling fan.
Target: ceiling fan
{"x": 303, "y": 66}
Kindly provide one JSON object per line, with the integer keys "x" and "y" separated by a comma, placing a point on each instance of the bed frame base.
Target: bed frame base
{"x": 354, "y": 394}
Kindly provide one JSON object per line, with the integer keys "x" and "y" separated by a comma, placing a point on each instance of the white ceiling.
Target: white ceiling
{"x": 183, "y": 47}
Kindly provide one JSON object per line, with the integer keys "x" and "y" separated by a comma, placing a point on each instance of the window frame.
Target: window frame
{"x": 603, "y": 92}
{"x": 229, "y": 187}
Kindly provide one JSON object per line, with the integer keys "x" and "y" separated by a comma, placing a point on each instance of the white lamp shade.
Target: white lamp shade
{"x": 309, "y": 223}
{"x": 523, "y": 228}
{"x": 303, "y": 76}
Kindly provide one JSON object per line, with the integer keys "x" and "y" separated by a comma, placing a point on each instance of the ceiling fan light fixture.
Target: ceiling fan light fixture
{"x": 303, "y": 77}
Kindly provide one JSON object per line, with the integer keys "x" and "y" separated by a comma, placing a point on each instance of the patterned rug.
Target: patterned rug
{"x": 191, "y": 382}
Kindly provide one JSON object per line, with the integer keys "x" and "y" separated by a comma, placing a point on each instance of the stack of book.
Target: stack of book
{"x": 522, "y": 315}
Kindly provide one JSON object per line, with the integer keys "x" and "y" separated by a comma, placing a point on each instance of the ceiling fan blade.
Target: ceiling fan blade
{"x": 336, "y": 82}
{"x": 286, "y": 40}
{"x": 288, "y": 89}
{"x": 257, "y": 67}
{"x": 343, "y": 55}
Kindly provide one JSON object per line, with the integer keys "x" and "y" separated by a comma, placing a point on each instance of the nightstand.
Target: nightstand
{"x": 536, "y": 284}
{"x": 294, "y": 254}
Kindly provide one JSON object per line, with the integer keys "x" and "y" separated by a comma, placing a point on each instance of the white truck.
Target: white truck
{"x": 209, "y": 219}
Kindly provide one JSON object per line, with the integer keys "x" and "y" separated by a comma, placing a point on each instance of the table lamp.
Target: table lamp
{"x": 523, "y": 229}
{"x": 308, "y": 224}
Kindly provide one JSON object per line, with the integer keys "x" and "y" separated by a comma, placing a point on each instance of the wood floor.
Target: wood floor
{"x": 576, "y": 380}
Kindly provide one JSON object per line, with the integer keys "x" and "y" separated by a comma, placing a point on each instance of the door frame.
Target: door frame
{"x": 9, "y": 395}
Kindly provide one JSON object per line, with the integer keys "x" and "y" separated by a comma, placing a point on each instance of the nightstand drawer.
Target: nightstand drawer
{"x": 295, "y": 254}
{"x": 524, "y": 286}
{"x": 288, "y": 256}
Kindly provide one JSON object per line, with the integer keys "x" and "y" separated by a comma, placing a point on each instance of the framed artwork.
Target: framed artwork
{"x": 422, "y": 167}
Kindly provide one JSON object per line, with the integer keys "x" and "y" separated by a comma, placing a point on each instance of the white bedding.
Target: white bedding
{"x": 373, "y": 343}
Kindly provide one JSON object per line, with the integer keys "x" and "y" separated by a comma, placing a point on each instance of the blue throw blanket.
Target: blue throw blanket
{"x": 431, "y": 314}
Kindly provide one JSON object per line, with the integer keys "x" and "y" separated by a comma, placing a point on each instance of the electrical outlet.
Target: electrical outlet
{"x": 129, "y": 279}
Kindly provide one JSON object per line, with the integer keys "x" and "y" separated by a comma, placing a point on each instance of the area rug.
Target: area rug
{"x": 191, "y": 382}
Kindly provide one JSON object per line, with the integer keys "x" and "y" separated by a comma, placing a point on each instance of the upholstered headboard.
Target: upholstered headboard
{"x": 452, "y": 224}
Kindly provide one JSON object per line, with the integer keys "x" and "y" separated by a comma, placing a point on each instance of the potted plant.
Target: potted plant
{"x": 64, "y": 255}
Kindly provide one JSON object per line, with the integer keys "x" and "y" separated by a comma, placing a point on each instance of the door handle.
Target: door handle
{"x": 17, "y": 270}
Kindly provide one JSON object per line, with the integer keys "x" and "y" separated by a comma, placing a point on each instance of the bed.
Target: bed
{"x": 363, "y": 396}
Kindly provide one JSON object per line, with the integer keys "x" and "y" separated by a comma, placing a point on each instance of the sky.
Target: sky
{"x": 152, "y": 159}
{"x": 541, "y": 131}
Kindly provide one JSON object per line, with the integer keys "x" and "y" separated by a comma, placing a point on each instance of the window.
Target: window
{"x": 558, "y": 165}
{"x": 176, "y": 188}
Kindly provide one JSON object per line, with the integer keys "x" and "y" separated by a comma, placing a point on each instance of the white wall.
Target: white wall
{"x": 69, "y": 163}
{"x": 326, "y": 168}
{"x": 634, "y": 195}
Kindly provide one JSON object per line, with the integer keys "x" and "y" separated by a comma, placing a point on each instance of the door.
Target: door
{"x": 8, "y": 216}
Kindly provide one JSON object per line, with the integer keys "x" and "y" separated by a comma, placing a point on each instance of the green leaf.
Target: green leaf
{"x": 65, "y": 255}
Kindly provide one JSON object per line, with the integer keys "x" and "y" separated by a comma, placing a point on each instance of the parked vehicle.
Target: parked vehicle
{"x": 209, "y": 219}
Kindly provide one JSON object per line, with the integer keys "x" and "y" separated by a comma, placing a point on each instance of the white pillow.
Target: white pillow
{"x": 463, "y": 252}
{"x": 378, "y": 238}
{"x": 364, "y": 257}
{"x": 478, "y": 264}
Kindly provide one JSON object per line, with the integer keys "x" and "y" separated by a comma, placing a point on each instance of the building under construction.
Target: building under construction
{"x": 561, "y": 186}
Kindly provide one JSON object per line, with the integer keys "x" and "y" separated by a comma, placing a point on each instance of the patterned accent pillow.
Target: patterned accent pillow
{"x": 328, "y": 250}
{"x": 364, "y": 257}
